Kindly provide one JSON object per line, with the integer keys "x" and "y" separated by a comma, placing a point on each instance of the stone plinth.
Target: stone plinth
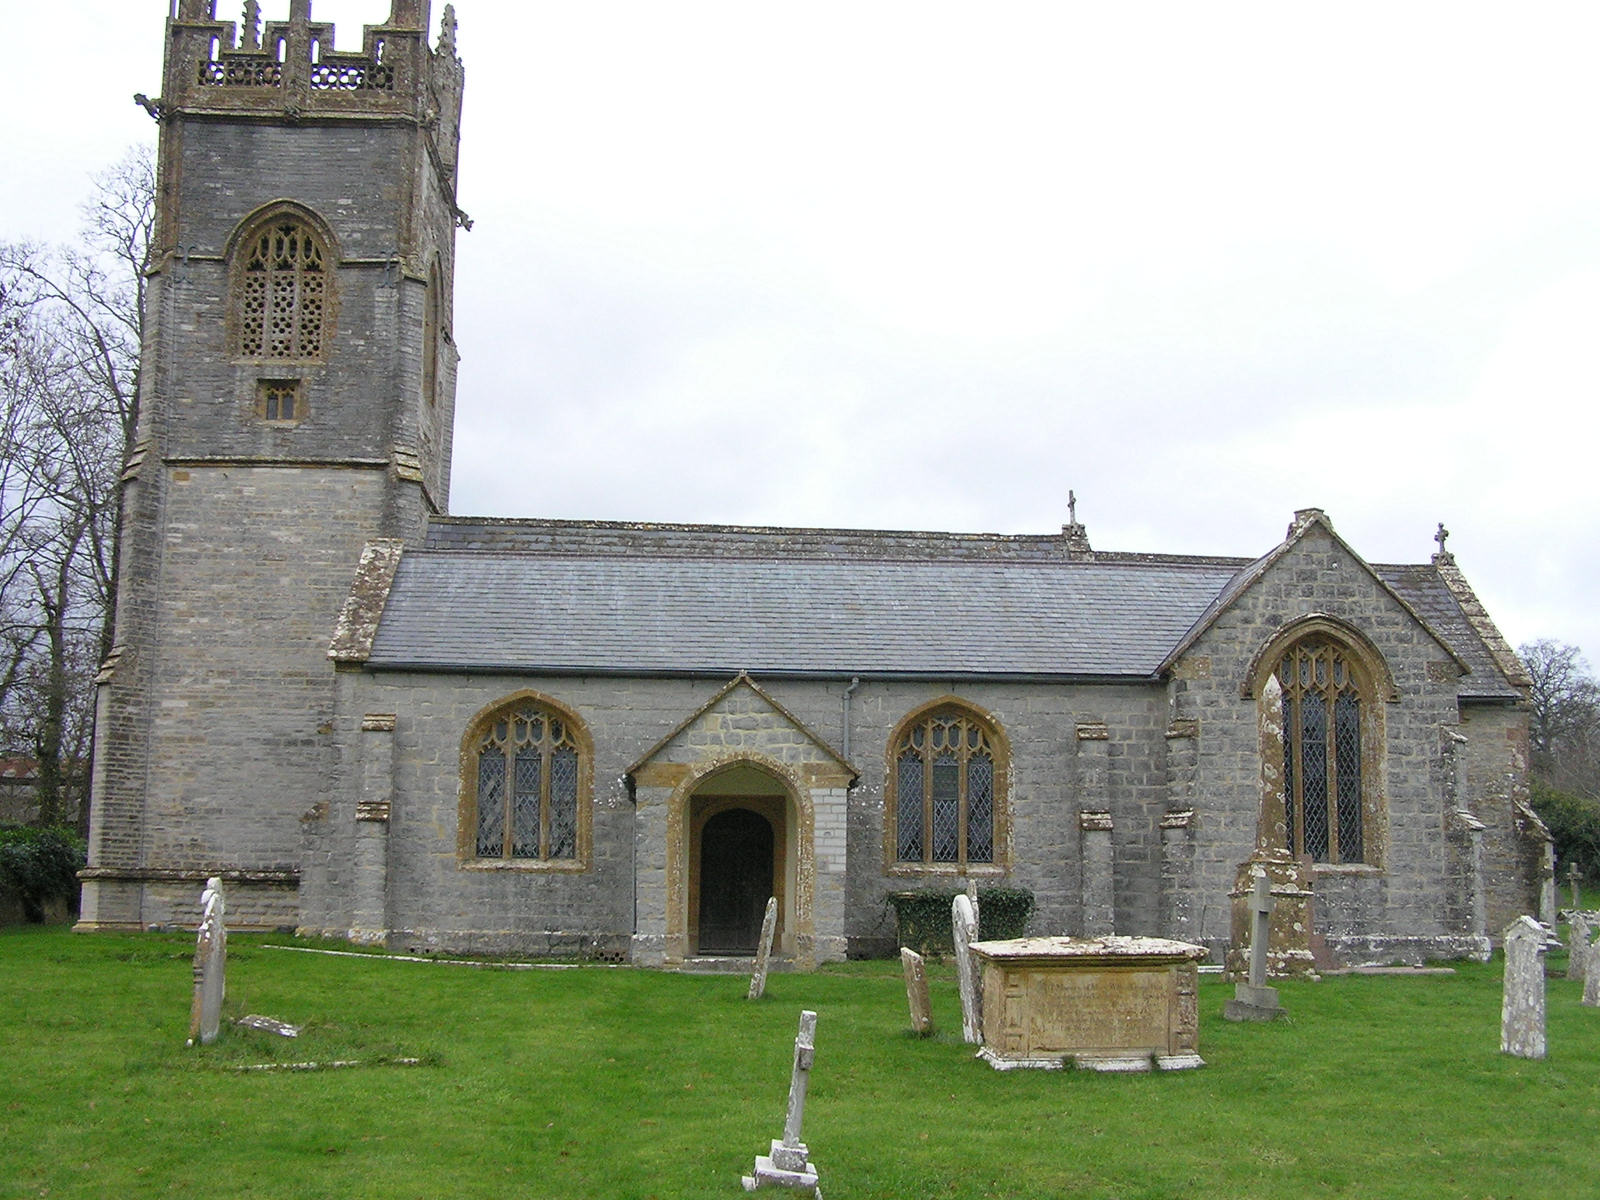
{"x": 1289, "y": 954}
{"x": 1107, "y": 1003}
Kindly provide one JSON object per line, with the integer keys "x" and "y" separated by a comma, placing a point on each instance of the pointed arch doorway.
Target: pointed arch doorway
{"x": 739, "y": 854}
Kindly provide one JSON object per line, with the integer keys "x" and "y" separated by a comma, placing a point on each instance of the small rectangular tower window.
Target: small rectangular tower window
{"x": 279, "y": 400}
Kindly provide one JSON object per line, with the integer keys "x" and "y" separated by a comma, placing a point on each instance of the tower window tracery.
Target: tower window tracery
{"x": 282, "y": 298}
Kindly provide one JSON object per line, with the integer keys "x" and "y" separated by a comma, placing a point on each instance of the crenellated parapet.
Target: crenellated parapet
{"x": 290, "y": 71}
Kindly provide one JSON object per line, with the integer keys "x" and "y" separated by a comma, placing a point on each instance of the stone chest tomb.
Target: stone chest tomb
{"x": 1106, "y": 1003}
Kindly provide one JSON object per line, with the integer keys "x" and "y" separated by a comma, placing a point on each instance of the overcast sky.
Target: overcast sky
{"x": 926, "y": 265}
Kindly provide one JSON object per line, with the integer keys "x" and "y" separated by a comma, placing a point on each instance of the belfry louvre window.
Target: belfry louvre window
{"x": 283, "y": 293}
{"x": 527, "y": 787}
{"x": 944, "y": 775}
{"x": 1323, "y": 750}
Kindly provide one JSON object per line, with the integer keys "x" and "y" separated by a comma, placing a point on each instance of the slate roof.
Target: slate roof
{"x": 770, "y": 616}
{"x": 604, "y": 597}
{"x": 1423, "y": 589}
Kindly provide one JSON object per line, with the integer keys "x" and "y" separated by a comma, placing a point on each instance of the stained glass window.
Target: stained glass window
{"x": 944, "y": 790}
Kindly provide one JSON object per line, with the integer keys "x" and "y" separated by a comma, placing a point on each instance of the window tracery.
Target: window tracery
{"x": 525, "y": 791}
{"x": 1326, "y": 739}
{"x": 281, "y": 303}
{"x": 946, "y": 771}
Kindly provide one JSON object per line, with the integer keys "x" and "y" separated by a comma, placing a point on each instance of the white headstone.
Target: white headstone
{"x": 769, "y": 926}
{"x": 789, "y": 1165}
{"x": 917, "y": 991}
{"x": 210, "y": 966}
{"x": 964, "y": 931}
{"x": 1522, "y": 1009}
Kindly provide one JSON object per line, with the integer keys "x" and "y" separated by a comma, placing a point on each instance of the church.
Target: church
{"x": 381, "y": 722}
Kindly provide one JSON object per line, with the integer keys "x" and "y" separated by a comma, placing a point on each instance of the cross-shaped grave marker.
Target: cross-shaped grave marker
{"x": 1254, "y": 1000}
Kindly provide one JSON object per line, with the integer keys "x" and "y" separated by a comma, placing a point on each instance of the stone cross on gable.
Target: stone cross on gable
{"x": 1441, "y": 536}
{"x": 1072, "y": 507}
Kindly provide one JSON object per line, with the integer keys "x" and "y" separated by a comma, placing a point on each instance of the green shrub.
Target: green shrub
{"x": 40, "y": 865}
{"x": 924, "y": 917}
{"x": 1574, "y": 823}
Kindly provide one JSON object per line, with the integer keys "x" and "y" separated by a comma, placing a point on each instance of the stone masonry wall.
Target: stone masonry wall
{"x": 481, "y": 909}
{"x": 1400, "y": 905}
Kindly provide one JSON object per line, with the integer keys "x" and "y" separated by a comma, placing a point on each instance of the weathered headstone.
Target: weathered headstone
{"x": 1591, "y": 979}
{"x": 210, "y": 966}
{"x": 789, "y": 1165}
{"x": 1572, "y": 879}
{"x": 977, "y": 916}
{"x": 1577, "y": 945}
{"x": 1254, "y": 1000}
{"x": 964, "y": 931}
{"x": 1522, "y": 1009}
{"x": 917, "y": 991}
{"x": 769, "y": 926}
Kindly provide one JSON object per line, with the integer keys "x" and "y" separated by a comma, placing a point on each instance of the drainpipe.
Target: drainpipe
{"x": 855, "y": 682}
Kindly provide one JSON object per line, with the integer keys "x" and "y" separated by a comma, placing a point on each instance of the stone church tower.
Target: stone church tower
{"x": 297, "y": 398}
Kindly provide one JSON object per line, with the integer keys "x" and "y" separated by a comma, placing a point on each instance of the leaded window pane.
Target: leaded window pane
{"x": 1347, "y": 752}
{"x": 946, "y": 796}
{"x": 1291, "y": 808}
{"x": 491, "y": 802}
{"x": 525, "y": 808}
{"x": 1314, "y": 773}
{"x": 908, "y": 808}
{"x": 564, "y": 804}
{"x": 1322, "y": 753}
{"x": 980, "y": 809}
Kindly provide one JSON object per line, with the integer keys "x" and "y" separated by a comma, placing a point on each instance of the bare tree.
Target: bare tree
{"x": 1565, "y": 724}
{"x": 71, "y": 322}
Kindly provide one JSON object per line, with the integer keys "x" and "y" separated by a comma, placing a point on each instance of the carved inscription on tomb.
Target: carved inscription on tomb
{"x": 1101, "y": 1010}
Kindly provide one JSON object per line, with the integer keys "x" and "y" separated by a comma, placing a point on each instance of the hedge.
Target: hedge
{"x": 40, "y": 865}
{"x": 924, "y": 917}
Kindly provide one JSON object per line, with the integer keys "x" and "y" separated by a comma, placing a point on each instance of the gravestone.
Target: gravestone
{"x": 917, "y": 991}
{"x": 210, "y": 966}
{"x": 1578, "y": 946}
{"x": 964, "y": 931}
{"x": 789, "y": 1165}
{"x": 769, "y": 926}
{"x": 1522, "y": 1008}
{"x": 1254, "y": 1000}
{"x": 1591, "y": 979}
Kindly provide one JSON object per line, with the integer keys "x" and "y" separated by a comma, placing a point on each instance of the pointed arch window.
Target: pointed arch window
{"x": 1327, "y": 721}
{"x": 525, "y": 791}
{"x": 946, "y": 784}
{"x": 282, "y": 308}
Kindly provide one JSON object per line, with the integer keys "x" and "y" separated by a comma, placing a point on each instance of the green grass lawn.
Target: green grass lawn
{"x": 619, "y": 1083}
